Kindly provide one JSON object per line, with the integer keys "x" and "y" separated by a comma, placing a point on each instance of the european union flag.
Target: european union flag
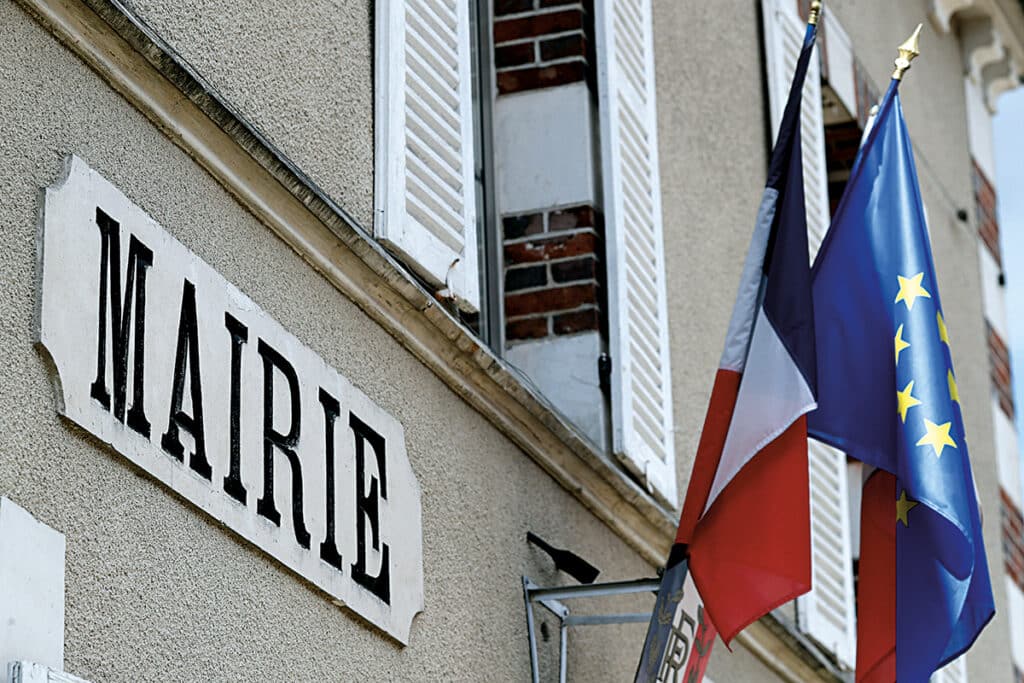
{"x": 887, "y": 395}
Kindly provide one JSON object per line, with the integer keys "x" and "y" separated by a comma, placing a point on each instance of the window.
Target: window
{"x": 566, "y": 180}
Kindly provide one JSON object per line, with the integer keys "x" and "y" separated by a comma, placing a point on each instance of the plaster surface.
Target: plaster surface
{"x": 301, "y": 72}
{"x": 712, "y": 133}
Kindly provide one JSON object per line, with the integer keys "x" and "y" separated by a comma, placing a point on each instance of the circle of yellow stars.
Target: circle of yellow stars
{"x": 935, "y": 435}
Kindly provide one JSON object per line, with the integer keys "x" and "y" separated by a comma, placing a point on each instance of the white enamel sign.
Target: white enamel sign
{"x": 162, "y": 358}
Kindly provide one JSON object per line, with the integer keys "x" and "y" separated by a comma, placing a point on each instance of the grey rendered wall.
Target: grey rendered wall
{"x": 301, "y": 71}
{"x": 155, "y": 590}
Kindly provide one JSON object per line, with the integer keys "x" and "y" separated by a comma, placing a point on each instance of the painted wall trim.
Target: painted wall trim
{"x": 141, "y": 67}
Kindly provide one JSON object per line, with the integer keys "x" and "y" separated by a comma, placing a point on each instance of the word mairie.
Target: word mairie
{"x": 162, "y": 358}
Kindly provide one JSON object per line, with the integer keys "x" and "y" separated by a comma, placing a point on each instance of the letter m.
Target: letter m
{"x": 122, "y": 329}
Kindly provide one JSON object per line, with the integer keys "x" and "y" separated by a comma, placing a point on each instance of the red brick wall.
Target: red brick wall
{"x": 985, "y": 207}
{"x": 1013, "y": 539}
{"x": 542, "y": 43}
{"x": 999, "y": 370}
{"x": 554, "y": 273}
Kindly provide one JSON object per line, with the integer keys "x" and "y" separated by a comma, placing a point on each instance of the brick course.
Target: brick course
{"x": 542, "y": 43}
{"x": 999, "y": 370}
{"x": 1013, "y": 539}
{"x": 554, "y": 273}
{"x": 985, "y": 211}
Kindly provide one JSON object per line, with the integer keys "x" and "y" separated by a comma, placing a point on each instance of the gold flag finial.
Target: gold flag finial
{"x": 908, "y": 50}
{"x": 815, "y": 13}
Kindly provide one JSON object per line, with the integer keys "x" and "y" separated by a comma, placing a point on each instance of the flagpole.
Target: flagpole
{"x": 815, "y": 14}
{"x": 910, "y": 49}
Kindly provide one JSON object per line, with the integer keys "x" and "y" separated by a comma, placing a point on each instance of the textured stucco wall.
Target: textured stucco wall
{"x": 301, "y": 71}
{"x": 157, "y": 591}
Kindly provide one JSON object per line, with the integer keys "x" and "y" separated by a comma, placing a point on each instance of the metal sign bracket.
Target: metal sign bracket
{"x": 553, "y": 600}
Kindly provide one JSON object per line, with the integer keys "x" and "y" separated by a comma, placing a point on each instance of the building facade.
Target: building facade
{"x": 313, "y": 311}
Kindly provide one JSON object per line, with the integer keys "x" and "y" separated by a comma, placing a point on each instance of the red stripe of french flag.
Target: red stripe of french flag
{"x": 746, "y": 519}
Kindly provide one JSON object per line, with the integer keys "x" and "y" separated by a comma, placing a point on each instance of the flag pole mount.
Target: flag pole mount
{"x": 910, "y": 49}
{"x": 815, "y": 14}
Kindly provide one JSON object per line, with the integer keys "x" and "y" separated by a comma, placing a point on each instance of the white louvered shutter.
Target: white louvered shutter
{"x": 425, "y": 192}
{"x": 826, "y": 613}
{"x": 784, "y": 36}
{"x": 954, "y": 672}
{"x": 641, "y": 380}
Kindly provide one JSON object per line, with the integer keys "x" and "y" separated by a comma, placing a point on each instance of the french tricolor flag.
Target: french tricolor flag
{"x": 745, "y": 529}
{"x": 746, "y": 520}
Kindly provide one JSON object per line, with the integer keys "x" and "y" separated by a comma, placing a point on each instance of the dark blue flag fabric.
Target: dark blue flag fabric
{"x": 887, "y": 395}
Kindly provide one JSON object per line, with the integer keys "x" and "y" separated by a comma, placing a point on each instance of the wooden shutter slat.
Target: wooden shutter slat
{"x": 641, "y": 381}
{"x": 425, "y": 189}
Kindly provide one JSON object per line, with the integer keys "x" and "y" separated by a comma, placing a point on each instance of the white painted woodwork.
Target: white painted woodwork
{"x": 642, "y": 434}
{"x": 1008, "y": 460}
{"x": 979, "y": 127}
{"x": 840, "y": 62}
{"x": 1015, "y": 610}
{"x": 31, "y": 589}
{"x": 827, "y": 613}
{"x": 425, "y": 189}
{"x": 993, "y": 296}
{"x": 70, "y": 277}
{"x": 32, "y": 672}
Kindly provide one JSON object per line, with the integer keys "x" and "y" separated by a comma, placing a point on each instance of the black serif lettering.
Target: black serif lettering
{"x": 367, "y": 509}
{"x": 286, "y": 442}
{"x": 187, "y": 354}
{"x": 233, "y": 481}
{"x": 329, "y": 549}
{"x": 140, "y": 258}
